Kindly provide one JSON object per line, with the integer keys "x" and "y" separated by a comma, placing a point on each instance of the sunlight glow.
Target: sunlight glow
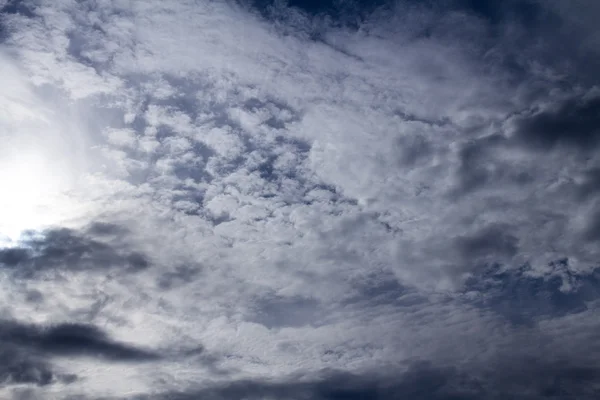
{"x": 38, "y": 158}
{"x": 32, "y": 195}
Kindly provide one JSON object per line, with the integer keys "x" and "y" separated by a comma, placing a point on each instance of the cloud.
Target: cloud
{"x": 27, "y": 351}
{"x": 64, "y": 249}
{"x": 421, "y": 380}
{"x": 523, "y": 296}
{"x": 573, "y": 122}
{"x": 292, "y": 199}
{"x": 70, "y": 339}
{"x": 17, "y": 369}
{"x": 492, "y": 241}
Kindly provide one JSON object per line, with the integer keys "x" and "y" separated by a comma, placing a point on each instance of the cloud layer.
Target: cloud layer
{"x": 270, "y": 199}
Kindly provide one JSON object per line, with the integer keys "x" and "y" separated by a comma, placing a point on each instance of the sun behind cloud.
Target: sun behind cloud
{"x": 37, "y": 168}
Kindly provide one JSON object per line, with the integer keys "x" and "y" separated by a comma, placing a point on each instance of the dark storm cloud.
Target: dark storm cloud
{"x": 65, "y": 249}
{"x": 574, "y": 123}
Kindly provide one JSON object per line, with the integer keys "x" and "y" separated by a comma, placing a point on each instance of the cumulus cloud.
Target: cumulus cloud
{"x": 339, "y": 199}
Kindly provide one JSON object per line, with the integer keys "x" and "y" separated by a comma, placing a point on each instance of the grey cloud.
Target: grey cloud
{"x": 525, "y": 12}
{"x": 65, "y": 249}
{"x": 17, "y": 367}
{"x": 592, "y": 230}
{"x": 18, "y": 7}
{"x": 481, "y": 167}
{"x": 278, "y": 311}
{"x": 574, "y": 122}
{"x": 541, "y": 380}
{"x": 70, "y": 340}
{"x": 495, "y": 242}
{"x": 422, "y": 382}
{"x": 522, "y": 297}
{"x": 181, "y": 275}
{"x": 414, "y": 148}
{"x": 380, "y": 289}
{"x": 280, "y": 113}
{"x": 352, "y": 14}
{"x": 590, "y": 186}
{"x": 27, "y": 350}
{"x": 106, "y": 229}
{"x": 308, "y": 17}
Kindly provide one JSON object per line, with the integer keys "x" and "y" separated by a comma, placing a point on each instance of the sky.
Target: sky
{"x": 298, "y": 200}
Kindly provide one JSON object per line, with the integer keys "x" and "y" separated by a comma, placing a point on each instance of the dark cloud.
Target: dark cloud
{"x": 533, "y": 378}
{"x": 413, "y": 149}
{"x": 26, "y": 351}
{"x": 523, "y": 11}
{"x": 481, "y": 167}
{"x": 65, "y": 249}
{"x": 522, "y": 380}
{"x": 590, "y": 186}
{"x": 352, "y": 12}
{"x": 106, "y": 229}
{"x": 382, "y": 289}
{"x": 181, "y": 275}
{"x": 592, "y": 230}
{"x": 16, "y": 367}
{"x": 493, "y": 241}
{"x": 347, "y": 12}
{"x": 13, "y": 256}
{"x": 574, "y": 122}
{"x": 6, "y": 27}
{"x": 522, "y": 297}
{"x": 69, "y": 340}
{"x": 20, "y": 7}
{"x": 420, "y": 381}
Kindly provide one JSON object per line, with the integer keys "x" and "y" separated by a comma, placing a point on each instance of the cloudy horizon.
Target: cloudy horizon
{"x": 267, "y": 199}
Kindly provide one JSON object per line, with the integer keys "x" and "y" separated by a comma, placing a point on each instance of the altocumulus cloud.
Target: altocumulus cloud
{"x": 299, "y": 200}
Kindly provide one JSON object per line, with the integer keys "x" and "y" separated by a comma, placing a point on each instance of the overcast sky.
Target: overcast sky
{"x": 328, "y": 200}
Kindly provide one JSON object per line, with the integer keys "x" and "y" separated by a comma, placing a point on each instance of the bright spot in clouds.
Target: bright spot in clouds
{"x": 38, "y": 168}
{"x": 32, "y": 196}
